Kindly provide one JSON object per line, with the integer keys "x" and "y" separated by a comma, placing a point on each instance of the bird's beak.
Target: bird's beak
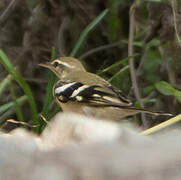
{"x": 50, "y": 67}
{"x": 46, "y": 65}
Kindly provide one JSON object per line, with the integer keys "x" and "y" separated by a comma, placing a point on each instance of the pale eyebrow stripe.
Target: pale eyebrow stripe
{"x": 66, "y": 64}
{"x": 63, "y": 88}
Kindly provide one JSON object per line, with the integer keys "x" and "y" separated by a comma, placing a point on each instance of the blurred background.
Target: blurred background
{"x": 37, "y": 31}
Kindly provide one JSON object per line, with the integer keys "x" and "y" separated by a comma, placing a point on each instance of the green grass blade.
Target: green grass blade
{"x": 119, "y": 72}
{"x": 4, "y": 83}
{"x": 49, "y": 94}
{"x": 9, "y": 67}
{"x": 6, "y": 115}
{"x": 86, "y": 31}
{"x": 11, "y": 111}
{"x": 5, "y": 107}
{"x": 16, "y": 104}
{"x": 55, "y": 110}
{"x": 117, "y": 64}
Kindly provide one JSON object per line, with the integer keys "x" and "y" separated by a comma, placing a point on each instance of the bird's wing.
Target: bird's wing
{"x": 109, "y": 95}
{"x": 91, "y": 94}
{"x": 96, "y": 95}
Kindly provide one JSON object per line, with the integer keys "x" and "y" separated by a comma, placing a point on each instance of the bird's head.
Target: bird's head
{"x": 64, "y": 65}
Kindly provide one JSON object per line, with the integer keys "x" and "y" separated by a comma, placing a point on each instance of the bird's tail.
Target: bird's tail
{"x": 134, "y": 110}
{"x": 140, "y": 110}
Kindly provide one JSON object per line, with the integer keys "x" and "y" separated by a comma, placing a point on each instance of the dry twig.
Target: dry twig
{"x": 7, "y": 12}
{"x": 131, "y": 62}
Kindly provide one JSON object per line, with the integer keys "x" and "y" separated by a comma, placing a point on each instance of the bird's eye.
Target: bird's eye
{"x": 55, "y": 64}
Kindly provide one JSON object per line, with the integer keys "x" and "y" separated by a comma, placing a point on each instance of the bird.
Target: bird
{"x": 86, "y": 93}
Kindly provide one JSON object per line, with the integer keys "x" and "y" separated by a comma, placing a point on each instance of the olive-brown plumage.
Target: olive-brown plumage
{"x": 86, "y": 93}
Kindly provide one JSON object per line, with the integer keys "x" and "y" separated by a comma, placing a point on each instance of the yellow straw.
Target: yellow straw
{"x": 162, "y": 125}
